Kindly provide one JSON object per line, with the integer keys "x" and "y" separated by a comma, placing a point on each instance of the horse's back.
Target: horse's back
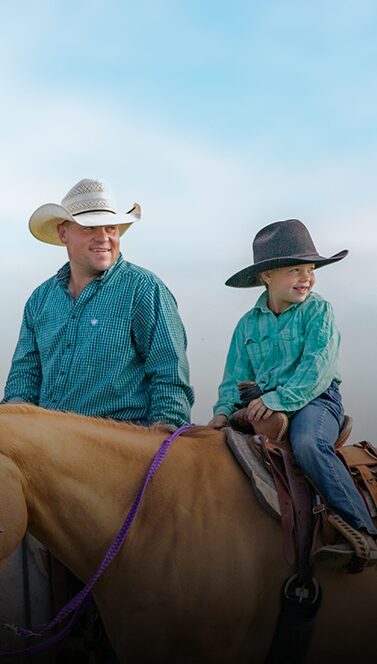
{"x": 204, "y": 568}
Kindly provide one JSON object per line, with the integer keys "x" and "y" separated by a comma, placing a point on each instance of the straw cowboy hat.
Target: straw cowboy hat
{"x": 88, "y": 203}
{"x": 281, "y": 244}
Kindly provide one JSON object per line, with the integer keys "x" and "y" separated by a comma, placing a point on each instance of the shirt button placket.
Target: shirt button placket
{"x": 68, "y": 351}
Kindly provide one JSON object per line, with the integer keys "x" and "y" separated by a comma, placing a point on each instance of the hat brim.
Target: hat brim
{"x": 249, "y": 276}
{"x": 45, "y": 220}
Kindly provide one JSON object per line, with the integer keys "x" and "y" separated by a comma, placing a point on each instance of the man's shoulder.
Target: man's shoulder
{"x": 146, "y": 286}
{"x": 43, "y": 288}
{"x": 140, "y": 276}
{"x": 139, "y": 273}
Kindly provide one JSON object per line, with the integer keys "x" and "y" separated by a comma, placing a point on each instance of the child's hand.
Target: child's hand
{"x": 256, "y": 411}
{"x": 218, "y": 422}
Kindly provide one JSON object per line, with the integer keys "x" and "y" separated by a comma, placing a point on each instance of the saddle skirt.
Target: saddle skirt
{"x": 261, "y": 479}
{"x": 285, "y": 493}
{"x": 361, "y": 461}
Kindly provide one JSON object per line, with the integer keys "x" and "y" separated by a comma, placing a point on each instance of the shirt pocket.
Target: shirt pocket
{"x": 291, "y": 344}
{"x": 108, "y": 337}
{"x": 259, "y": 348}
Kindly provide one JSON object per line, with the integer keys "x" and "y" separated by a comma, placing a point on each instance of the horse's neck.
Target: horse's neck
{"x": 79, "y": 479}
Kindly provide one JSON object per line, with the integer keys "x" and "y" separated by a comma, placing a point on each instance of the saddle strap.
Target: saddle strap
{"x": 297, "y": 492}
{"x": 370, "y": 448}
{"x": 361, "y": 461}
{"x": 359, "y": 454}
{"x": 370, "y": 482}
{"x": 285, "y": 502}
{"x": 302, "y": 504}
{"x": 296, "y": 505}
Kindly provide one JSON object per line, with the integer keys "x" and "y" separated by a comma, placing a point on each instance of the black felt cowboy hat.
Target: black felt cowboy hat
{"x": 281, "y": 244}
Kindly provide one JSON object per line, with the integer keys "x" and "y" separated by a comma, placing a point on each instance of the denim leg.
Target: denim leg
{"x": 313, "y": 431}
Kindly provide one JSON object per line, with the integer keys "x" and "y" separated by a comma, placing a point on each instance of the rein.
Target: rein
{"x": 79, "y": 601}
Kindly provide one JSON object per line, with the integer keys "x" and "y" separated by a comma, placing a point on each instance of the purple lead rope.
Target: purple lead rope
{"x": 78, "y": 602}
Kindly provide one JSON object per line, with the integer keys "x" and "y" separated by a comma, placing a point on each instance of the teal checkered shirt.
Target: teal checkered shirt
{"x": 292, "y": 356}
{"x": 117, "y": 351}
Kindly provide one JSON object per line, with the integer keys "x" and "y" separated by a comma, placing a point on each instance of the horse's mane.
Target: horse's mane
{"x": 27, "y": 409}
{"x": 16, "y": 407}
{"x": 158, "y": 427}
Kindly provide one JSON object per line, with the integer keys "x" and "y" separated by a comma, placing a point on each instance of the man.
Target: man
{"x": 103, "y": 336}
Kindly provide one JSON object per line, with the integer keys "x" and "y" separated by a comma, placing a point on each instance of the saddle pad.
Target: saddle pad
{"x": 261, "y": 479}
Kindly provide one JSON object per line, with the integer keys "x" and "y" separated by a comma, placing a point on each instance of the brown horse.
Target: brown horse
{"x": 198, "y": 579}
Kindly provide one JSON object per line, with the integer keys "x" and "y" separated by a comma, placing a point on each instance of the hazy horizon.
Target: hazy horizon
{"x": 218, "y": 120}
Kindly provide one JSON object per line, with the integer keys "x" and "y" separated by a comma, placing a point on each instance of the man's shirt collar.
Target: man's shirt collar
{"x": 64, "y": 272}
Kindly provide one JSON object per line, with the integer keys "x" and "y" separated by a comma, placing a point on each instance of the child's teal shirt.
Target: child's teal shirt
{"x": 292, "y": 356}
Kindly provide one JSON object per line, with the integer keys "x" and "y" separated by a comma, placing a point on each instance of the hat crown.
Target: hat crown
{"x": 283, "y": 239}
{"x": 89, "y": 196}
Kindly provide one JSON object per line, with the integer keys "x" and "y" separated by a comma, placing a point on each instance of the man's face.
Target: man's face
{"x": 91, "y": 249}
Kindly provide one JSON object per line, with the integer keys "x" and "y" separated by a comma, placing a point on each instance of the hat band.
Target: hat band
{"x": 289, "y": 258}
{"x": 76, "y": 214}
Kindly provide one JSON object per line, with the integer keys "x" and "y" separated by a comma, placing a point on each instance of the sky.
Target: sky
{"x": 218, "y": 118}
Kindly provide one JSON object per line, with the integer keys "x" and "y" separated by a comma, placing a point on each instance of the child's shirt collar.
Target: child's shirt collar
{"x": 262, "y": 305}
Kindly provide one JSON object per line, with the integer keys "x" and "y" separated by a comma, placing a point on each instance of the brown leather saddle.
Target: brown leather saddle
{"x": 361, "y": 461}
{"x": 284, "y": 490}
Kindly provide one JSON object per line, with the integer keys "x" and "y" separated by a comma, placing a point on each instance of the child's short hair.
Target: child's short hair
{"x": 262, "y": 282}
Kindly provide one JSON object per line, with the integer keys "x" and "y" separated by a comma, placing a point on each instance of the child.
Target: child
{"x": 288, "y": 344}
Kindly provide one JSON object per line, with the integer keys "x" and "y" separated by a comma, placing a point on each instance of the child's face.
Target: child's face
{"x": 288, "y": 285}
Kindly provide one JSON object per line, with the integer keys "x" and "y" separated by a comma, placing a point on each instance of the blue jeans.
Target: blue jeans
{"x": 313, "y": 431}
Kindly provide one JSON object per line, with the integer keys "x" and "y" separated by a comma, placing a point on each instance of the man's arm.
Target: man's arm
{"x": 161, "y": 340}
{"x": 24, "y": 379}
